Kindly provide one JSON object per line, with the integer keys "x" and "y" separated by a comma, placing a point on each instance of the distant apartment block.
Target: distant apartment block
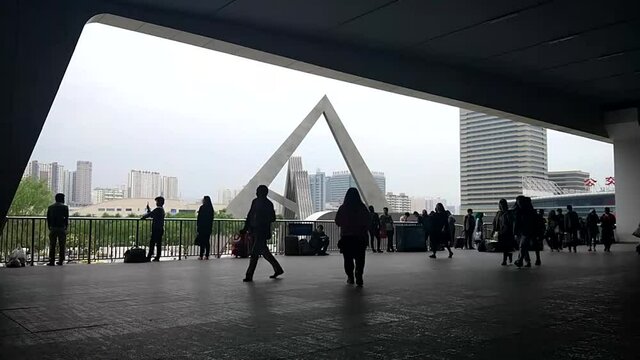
{"x": 570, "y": 180}
{"x": 170, "y": 188}
{"x": 340, "y": 181}
{"x": 318, "y": 188}
{"x": 398, "y": 203}
{"x": 144, "y": 184}
{"x": 76, "y": 185}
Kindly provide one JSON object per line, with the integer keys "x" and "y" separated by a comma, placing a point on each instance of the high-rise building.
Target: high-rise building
{"x": 32, "y": 170}
{"x": 431, "y": 203}
{"x": 144, "y": 184}
{"x": 69, "y": 186}
{"x": 170, "y": 188}
{"x": 341, "y": 181}
{"x": 495, "y": 154}
{"x": 318, "y": 188}
{"x": 82, "y": 191}
{"x": 573, "y": 180}
{"x": 398, "y": 203}
{"x": 418, "y": 203}
{"x": 226, "y": 195}
{"x": 56, "y": 178}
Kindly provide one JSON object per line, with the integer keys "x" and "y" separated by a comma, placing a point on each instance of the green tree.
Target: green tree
{"x": 32, "y": 198}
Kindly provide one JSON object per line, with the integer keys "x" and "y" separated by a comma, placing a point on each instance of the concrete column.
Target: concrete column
{"x": 624, "y": 128}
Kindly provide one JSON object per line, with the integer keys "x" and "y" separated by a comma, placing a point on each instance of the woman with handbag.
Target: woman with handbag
{"x": 353, "y": 219}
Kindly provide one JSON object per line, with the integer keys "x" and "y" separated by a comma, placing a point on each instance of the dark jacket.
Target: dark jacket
{"x": 353, "y": 221}
{"x": 525, "y": 223}
{"x": 469, "y": 223}
{"x": 571, "y": 221}
{"x": 205, "y": 220}
{"x": 158, "y": 218}
{"x": 592, "y": 222}
{"x": 260, "y": 217}
{"x": 440, "y": 227}
{"x": 386, "y": 222}
{"x": 503, "y": 226}
{"x": 58, "y": 216}
{"x": 374, "y": 222}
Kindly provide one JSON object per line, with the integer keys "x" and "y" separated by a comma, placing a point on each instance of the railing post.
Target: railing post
{"x": 33, "y": 238}
{"x": 89, "y": 246}
{"x": 180, "y": 245}
{"x": 218, "y": 239}
{"x": 137, "y": 232}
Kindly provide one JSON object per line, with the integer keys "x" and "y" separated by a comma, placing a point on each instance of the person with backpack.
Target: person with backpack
{"x": 259, "y": 219}
{"x": 571, "y": 227}
{"x": 592, "y": 229}
{"x": 204, "y": 226}
{"x": 386, "y": 222}
{"x": 503, "y": 229}
{"x": 57, "y": 222}
{"x": 608, "y": 225}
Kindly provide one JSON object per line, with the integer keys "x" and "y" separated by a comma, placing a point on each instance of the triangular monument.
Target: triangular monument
{"x": 369, "y": 190}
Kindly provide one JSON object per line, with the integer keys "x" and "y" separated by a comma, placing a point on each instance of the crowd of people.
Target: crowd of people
{"x": 518, "y": 229}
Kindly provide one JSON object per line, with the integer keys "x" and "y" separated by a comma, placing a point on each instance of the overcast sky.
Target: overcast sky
{"x": 133, "y": 101}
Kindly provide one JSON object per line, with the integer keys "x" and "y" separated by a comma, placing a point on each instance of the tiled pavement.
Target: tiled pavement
{"x": 576, "y": 306}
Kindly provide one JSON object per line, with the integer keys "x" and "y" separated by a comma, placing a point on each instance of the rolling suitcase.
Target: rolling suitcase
{"x": 459, "y": 242}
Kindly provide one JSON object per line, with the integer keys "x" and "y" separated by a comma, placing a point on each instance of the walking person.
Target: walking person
{"x": 440, "y": 231}
{"x": 58, "y": 223}
{"x": 426, "y": 226}
{"x": 452, "y": 228}
{"x": 524, "y": 228}
{"x": 478, "y": 236}
{"x": 374, "y": 229}
{"x": 205, "y": 227}
{"x": 608, "y": 224}
{"x": 592, "y": 229}
{"x": 561, "y": 234}
{"x": 469, "y": 227}
{"x": 353, "y": 219}
{"x": 538, "y": 242}
{"x": 571, "y": 227}
{"x": 386, "y": 222}
{"x": 259, "y": 219}
{"x": 157, "y": 228}
{"x": 553, "y": 231}
{"x": 503, "y": 228}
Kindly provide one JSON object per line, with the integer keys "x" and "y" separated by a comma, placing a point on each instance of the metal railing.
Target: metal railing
{"x": 107, "y": 239}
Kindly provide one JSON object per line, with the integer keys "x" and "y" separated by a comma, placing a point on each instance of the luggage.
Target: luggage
{"x": 291, "y": 245}
{"x": 135, "y": 255}
{"x": 241, "y": 245}
{"x": 459, "y": 242}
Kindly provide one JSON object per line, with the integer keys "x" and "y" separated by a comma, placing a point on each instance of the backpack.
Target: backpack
{"x": 135, "y": 255}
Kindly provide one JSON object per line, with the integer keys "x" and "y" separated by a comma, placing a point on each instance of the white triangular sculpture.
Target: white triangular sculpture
{"x": 369, "y": 190}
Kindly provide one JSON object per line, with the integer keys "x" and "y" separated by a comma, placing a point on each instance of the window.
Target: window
{"x": 128, "y": 209}
{"x": 101, "y": 209}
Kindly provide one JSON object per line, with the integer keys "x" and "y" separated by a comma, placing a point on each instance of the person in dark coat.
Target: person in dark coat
{"x": 157, "y": 228}
{"x": 553, "y": 231}
{"x": 538, "y": 242}
{"x": 57, "y": 222}
{"x": 374, "y": 229}
{"x": 524, "y": 228}
{"x": 452, "y": 228}
{"x": 561, "y": 235}
{"x": 426, "y": 226}
{"x": 571, "y": 227}
{"x": 258, "y": 222}
{"x": 503, "y": 228}
{"x": 319, "y": 241}
{"x": 608, "y": 225}
{"x": 592, "y": 229}
{"x": 386, "y": 222}
{"x": 440, "y": 231}
{"x": 469, "y": 227}
{"x": 205, "y": 227}
{"x": 353, "y": 218}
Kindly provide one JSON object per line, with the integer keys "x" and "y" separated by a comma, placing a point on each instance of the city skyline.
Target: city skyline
{"x": 105, "y": 94}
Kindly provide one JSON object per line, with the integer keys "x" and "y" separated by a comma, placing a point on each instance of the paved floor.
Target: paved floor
{"x": 582, "y": 306}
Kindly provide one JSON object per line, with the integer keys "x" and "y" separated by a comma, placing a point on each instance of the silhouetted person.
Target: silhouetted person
{"x": 319, "y": 241}
{"x": 205, "y": 227}
{"x": 561, "y": 235}
{"x": 553, "y": 231}
{"x": 452, "y": 228}
{"x": 538, "y": 241}
{"x": 259, "y": 220}
{"x": 524, "y": 228}
{"x": 608, "y": 224}
{"x": 418, "y": 217}
{"x": 440, "y": 231}
{"x": 426, "y": 226}
{"x": 592, "y": 229}
{"x": 405, "y": 217}
{"x": 469, "y": 227}
{"x": 571, "y": 227}
{"x": 503, "y": 228}
{"x": 479, "y": 231}
{"x": 157, "y": 228}
{"x": 374, "y": 229}
{"x": 386, "y": 222}
{"x": 57, "y": 222}
{"x": 353, "y": 219}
